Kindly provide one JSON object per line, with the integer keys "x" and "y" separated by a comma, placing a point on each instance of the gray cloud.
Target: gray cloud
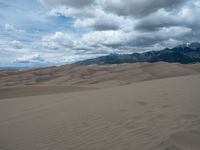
{"x": 103, "y": 27}
{"x": 165, "y": 34}
{"x": 69, "y": 3}
{"x": 186, "y": 17}
{"x": 139, "y": 7}
{"x": 158, "y": 20}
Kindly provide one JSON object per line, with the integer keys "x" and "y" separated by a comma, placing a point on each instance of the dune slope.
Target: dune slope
{"x": 153, "y": 115}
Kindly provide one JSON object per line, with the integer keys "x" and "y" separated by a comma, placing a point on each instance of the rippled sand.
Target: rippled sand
{"x": 158, "y": 114}
{"x": 161, "y": 114}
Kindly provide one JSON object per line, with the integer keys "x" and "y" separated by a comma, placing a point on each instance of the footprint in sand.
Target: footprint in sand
{"x": 123, "y": 110}
{"x": 141, "y": 103}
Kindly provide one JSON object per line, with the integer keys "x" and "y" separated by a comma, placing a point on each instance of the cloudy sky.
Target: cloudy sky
{"x": 55, "y": 32}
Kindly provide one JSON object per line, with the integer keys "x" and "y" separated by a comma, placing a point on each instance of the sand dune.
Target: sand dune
{"x": 156, "y": 107}
{"x": 73, "y": 78}
{"x": 95, "y": 76}
{"x": 152, "y": 115}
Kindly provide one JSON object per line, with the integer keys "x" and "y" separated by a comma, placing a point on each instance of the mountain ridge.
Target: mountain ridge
{"x": 185, "y": 54}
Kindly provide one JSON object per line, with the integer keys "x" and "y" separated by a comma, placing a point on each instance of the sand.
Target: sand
{"x": 95, "y": 76}
{"x": 160, "y": 114}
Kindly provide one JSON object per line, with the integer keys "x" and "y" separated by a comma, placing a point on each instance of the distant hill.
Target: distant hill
{"x": 185, "y": 54}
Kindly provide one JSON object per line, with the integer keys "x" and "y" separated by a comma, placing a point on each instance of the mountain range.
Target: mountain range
{"x": 185, "y": 54}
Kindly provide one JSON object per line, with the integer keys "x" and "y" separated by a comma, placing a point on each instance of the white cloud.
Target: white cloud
{"x": 33, "y": 58}
{"x": 10, "y": 29}
{"x": 104, "y": 38}
{"x": 16, "y": 44}
{"x": 58, "y": 40}
{"x": 10, "y": 45}
{"x": 70, "y": 12}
